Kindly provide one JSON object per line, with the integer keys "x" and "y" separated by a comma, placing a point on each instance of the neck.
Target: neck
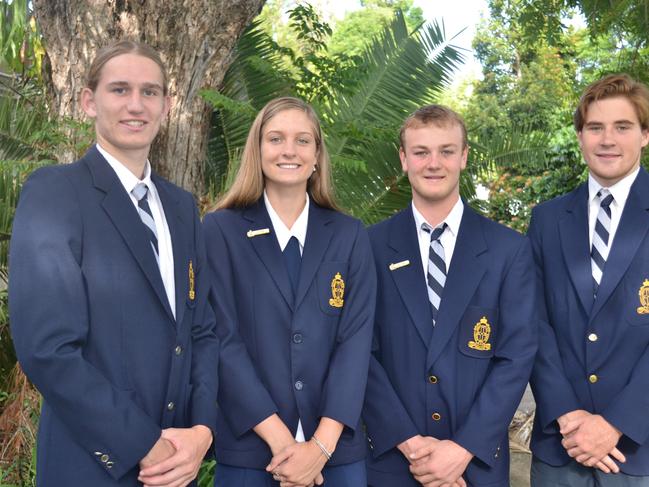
{"x": 434, "y": 211}
{"x": 288, "y": 203}
{"x": 134, "y": 161}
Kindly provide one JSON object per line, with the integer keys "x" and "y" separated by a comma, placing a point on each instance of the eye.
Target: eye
{"x": 623, "y": 128}
{"x": 303, "y": 141}
{"x": 448, "y": 152}
{"x": 118, "y": 90}
{"x": 421, "y": 153}
{"x": 274, "y": 139}
{"x": 594, "y": 128}
{"x": 149, "y": 92}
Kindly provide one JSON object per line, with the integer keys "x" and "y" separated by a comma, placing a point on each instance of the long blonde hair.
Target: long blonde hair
{"x": 248, "y": 185}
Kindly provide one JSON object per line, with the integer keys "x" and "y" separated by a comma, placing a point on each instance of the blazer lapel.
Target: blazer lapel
{"x": 410, "y": 280}
{"x": 573, "y": 233}
{"x": 631, "y": 231}
{"x": 178, "y": 230}
{"x": 122, "y": 212}
{"x": 318, "y": 235}
{"x": 463, "y": 277}
{"x": 267, "y": 248}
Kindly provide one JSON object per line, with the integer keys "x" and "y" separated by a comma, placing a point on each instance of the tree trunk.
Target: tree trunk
{"x": 195, "y": 39}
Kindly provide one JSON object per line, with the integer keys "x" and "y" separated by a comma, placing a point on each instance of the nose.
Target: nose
{"x": 433, "y": 160}
{"x": 135, "y": 104}
{"x": 608, "y": 136}
{"x": 288, "y": 149}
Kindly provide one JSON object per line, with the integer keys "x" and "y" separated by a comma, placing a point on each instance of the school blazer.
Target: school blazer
{"x": 301, "y": 358}
{"x": 463, "y": 379}
{"x": 593, "y": 353}
{"x": 92, "y": 326}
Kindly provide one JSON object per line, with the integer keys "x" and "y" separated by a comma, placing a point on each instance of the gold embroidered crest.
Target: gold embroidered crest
{"x": 337, "y": 291}
{"x": 192, "y": 291}
{"x": 643, "y": 293}
{"x": 481, "y": 333}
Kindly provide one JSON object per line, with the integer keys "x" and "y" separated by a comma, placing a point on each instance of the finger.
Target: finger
{"x": 422, "y": 452}
{"x": 166, "y": 479}
{"x": 576, "y": 451}
{"x": 618, "y": 455}
{"x": 277, "y": 460}
{"x": 319, "y": 480}
{"x": 570, "y": 427}
{"x": 164, "y": 466}
{"x": 609, "y": 464}
{"x": 461, "y": 482}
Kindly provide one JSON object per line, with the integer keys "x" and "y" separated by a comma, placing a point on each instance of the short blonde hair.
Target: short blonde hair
{"x": 248, "y": 185}
{"x": 437, "y": 115}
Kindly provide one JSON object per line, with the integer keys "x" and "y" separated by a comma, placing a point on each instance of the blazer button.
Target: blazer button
{"x": 432, "y": 379}
{"x": 436, "y": 416}
{"x": 592, "y": 337}
{"x": 297, "y": 338}
{"x": 104, "y": 458}
{"x": 178, "y": 350}
{"x": 171, "y": 406}
{"x": 299, "y": 385}
{"x": 109, "y": 464}
{"x": 593, "y": 378}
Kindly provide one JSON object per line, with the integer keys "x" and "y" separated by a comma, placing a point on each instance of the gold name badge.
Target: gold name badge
{"x": 643, "y": 293}
{"x": 337, "y": 291}
{"x": 399, "y": 265}
{"x": 192, "y": 283}
{"x": 261, "y": 231}
{"x": 481, "y": 333}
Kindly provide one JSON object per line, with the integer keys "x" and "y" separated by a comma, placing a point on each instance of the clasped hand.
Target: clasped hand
{"x": 298, "y": 465}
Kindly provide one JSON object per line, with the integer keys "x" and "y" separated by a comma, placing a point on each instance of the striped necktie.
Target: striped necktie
{"x": 436, "y": 275}
{"x": 140, "y": 191}
{"x": 600, "y": 248}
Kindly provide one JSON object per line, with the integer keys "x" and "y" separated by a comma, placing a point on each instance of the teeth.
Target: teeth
{"x": 134, "y": 123}
{"x": 288, "y": 166}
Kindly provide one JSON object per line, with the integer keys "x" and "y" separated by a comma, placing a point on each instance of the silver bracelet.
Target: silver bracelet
{"x": 325, "y": 452}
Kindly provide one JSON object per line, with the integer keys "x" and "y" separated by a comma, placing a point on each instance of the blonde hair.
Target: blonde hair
{"x": 248, "y": 185}
{"x": 436, "y": 115}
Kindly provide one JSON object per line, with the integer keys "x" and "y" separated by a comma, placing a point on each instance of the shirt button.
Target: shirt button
{"x": 178, "y": 350}
{"x": 436, "y": 416}
{"x": 592, "y": 378}
{"x": 432, "y": 379}
{"x": 299, "y": 385}
{"x": 592, "y": 337}
{"x": 297, "y": 338}
{"x": 171, "y": 406}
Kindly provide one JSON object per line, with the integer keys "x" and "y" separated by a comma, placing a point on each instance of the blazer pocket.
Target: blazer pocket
{"x": 477, "y": 332}
{"x": 637, "y": 312}
{"x": 331, "y": 282}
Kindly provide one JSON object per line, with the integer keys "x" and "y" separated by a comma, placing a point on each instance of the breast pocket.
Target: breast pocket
{"x": 477, "y": 333}
{"x": 332, "y": 287}
{"x": 637, "y": 291}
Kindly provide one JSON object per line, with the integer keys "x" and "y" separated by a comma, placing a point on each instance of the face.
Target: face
{"x": 128, "y": 106}
{"x": 288, "y": 150}
{"x": 433, "y": 157}
{"x": 611, "y": 140}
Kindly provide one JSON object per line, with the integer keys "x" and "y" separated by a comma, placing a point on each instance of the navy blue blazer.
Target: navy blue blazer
{"x": 460, "y": 380}
{"x": 593, "y": 354}
{"x": 305, "y": 358}
{"x": 92, "y": 326}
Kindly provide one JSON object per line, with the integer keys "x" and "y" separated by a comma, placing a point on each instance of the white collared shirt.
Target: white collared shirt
{"x": 284, "y": 234}
{"x": 165, "y": 250}
{"x": 620, "y": 192}
{"x": 448, "y": 238}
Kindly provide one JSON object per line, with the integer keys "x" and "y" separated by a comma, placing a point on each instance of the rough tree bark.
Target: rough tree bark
{"x": 195, "y": 38}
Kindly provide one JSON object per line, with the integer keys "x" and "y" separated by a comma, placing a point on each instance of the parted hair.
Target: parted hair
{"x": 111, "y": 51}
{"x": 248, "y": 185}
{"x": 615, "y": 86}
{"x": 437, "y": 115}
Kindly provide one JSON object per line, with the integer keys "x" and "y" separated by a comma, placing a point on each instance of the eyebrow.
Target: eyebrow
{"x": 126, "y": 83}
{"x": 615, "y": 122}
{"x": 299, "y": 133}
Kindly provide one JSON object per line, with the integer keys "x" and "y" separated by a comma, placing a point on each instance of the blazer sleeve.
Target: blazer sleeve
{"x": 50, "y": 326}
{"x": 628, "y": 410}
{"x": 344, "y": 388}
{"x": 243, "y": 399}
{"x": 500, "y": 394}
{"x": 205, "y": 342}
{"x": 553, "y": 393}
{"x": 387, "y": 420}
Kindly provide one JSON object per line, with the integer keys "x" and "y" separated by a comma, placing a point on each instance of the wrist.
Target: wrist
{"x": 205, "y": 434}
{"x": 323, "y": 448}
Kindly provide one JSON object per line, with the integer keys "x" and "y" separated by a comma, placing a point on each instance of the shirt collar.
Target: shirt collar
{"x": 619, "y": 190}
{"x": 126, "y": 177}
{"x": 298, "y": 230}
{"x": 453, "y": 219}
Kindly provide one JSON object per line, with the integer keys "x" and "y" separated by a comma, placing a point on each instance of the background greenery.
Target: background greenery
{"x": 363, "y": 74}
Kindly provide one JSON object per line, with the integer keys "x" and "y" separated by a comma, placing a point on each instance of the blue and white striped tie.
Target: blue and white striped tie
{"x": 436, "y": 275}
{"x": 599, "y": 250}
{"x": 140, "y": 191}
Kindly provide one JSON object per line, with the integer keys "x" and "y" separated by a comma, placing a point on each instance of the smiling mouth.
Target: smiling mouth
{"x": 134, "y": 123}
{"x": 288, "y": 166}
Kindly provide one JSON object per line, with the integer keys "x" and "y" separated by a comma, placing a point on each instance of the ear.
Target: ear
{"x": 167, "y": 106}
{"x": 88, "y": 105}
{"x": 404, "y": 160}
{"x": 645, "y": 138}
{"x": 465, "y": 156}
